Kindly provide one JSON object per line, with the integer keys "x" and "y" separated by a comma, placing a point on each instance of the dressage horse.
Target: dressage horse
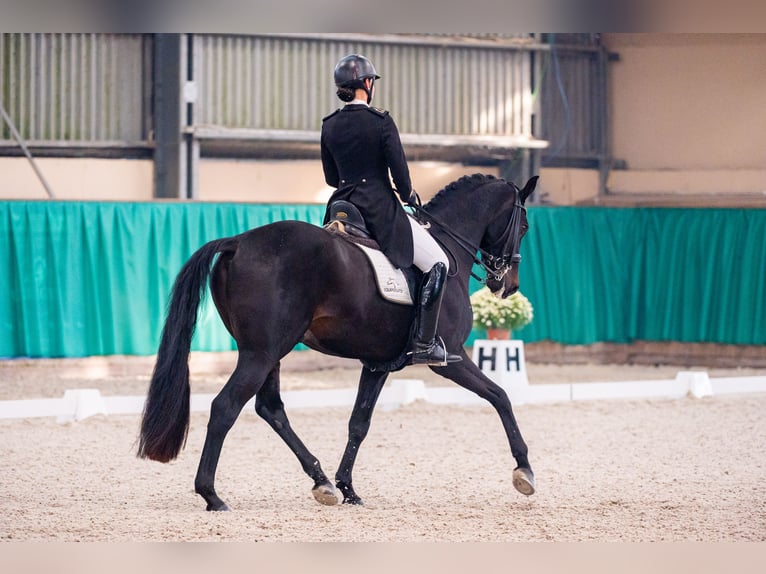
{"x": 290, "y": 282}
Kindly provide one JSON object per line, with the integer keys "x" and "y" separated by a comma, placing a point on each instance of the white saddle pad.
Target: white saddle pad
{"x": 392, "y": 283}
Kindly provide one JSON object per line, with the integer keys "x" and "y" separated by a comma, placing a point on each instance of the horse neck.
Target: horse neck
{"x": 466, "y": 213}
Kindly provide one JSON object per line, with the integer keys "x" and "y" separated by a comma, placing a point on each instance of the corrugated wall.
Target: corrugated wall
{"x": 286, "y": 83}
{"x": 572, "y": 90}
{"x": 93, "y": 90}
{"x": 73, "y": 88}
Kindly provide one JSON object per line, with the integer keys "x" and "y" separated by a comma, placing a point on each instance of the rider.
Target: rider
{"x": 359, "y": 145}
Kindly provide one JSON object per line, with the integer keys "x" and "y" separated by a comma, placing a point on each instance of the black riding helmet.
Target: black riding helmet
{"x": 351, "y": 72}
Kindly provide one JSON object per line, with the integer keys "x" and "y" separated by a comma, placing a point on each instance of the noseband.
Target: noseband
{"x": 498, "y": 265}
{"x": 495, "y": 266}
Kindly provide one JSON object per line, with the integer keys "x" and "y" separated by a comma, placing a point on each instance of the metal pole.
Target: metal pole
{"x": 23, "y": 146}
{"x": 519, "y": 43}
{"x": 169, "y": 115}
{"x": 605, "y": 147}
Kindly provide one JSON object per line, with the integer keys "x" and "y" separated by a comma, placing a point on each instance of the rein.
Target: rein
{"x": 495, "y": 266}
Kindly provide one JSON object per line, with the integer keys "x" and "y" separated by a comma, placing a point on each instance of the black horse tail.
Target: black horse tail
{"x": 165, "y": 421}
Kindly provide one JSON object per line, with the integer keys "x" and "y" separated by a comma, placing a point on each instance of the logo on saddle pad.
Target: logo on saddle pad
{"x": 392, "y": 287}
{"x": 392, "y": 283}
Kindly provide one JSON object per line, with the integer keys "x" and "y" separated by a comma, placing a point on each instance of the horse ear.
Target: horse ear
{"x": 528, "y": 188}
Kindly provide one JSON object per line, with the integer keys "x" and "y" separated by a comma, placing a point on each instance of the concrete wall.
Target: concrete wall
{"x": 220, "y": 180}
{"x": 303, "y": 181}
{"x": 562, "y": 186}
{"x": 687, "y": 121}
{"x": 687, "y": 112}
{"x": 78, "y": 179}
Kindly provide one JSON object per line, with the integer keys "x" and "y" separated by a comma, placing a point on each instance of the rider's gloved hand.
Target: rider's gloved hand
{"x": 413, "y": 200}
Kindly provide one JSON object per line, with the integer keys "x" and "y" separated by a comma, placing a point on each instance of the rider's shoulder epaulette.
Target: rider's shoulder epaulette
{"x": 378, "y": 111}
{"x": 327, "y": 117}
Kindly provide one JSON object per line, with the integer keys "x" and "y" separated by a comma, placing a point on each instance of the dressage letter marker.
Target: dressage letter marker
{"x": 515, "y": 358}
{"x": 503, "y": 362}
{"x": 484, "y": 358}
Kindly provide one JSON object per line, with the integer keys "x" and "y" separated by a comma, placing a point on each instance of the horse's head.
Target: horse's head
{"x": 502, "y": 241}
{"x": 498, "y": 224}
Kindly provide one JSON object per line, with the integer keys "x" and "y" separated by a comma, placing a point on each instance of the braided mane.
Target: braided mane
{"x": 472, "y": 181}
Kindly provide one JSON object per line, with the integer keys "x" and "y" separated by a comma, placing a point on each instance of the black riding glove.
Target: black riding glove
{"x": 413, "y": 200}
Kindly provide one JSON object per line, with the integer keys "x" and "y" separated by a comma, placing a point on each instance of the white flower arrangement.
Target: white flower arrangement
{"x": 491, "y": 312}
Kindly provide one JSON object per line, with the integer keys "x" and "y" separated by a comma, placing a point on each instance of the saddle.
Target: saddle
{"x": 395, "y": 285}
{"x": 346, "y": 218}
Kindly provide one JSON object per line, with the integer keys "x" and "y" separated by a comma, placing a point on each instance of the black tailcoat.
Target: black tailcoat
{"x": 359, "y": 145}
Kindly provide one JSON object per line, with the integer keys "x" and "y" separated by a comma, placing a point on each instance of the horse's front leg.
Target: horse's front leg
{"x": 370, "y": 385}
{"x": 468, "y": 375}
{"x": 269, "y": 406}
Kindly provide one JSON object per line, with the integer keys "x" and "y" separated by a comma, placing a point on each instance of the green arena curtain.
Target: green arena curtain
{"x": 81, "y": 278}
{"x": 656, "y": 274}
{"x": 91, "y": 278}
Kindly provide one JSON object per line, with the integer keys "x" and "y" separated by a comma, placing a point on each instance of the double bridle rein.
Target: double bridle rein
{"x": 495, "y": 266}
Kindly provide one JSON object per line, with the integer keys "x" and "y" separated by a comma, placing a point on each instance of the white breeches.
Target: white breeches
{"x": 427, "y": 251}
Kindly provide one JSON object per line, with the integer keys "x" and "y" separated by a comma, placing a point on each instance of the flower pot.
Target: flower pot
{"x": 498, "y": 334}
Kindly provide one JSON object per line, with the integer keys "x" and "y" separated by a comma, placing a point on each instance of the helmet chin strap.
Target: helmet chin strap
{"x": 369, "y": 91}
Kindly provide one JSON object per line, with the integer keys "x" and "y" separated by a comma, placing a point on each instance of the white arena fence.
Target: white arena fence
{"x": 79, "y": 404}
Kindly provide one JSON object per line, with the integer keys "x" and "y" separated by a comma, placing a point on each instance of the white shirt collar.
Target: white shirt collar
{"x": 356, "y": 102}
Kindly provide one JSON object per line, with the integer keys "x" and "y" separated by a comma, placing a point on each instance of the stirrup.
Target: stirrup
{"x": 434, "y": 355}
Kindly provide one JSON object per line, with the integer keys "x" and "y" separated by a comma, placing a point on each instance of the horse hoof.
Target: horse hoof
{"x": 222, "y": 507}
{"x": 353, "y": 500}
{"x": 524, "y": 481}
{"x": 325, "y": 494}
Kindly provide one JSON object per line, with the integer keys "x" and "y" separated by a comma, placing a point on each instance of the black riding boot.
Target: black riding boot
{"x": 426, "y": 348}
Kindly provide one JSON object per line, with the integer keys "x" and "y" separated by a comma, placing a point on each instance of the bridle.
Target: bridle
{"x": 498, "y": 265}
{"x": 495, "y": 266}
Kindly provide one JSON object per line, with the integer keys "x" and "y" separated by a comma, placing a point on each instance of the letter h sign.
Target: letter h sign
{"x": 501, "y": 361}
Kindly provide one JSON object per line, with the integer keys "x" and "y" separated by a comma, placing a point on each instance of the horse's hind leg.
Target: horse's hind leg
{"x": 240, "y": 388}
{"x": 269, "y": 405}
{"x": 370, "y": 385}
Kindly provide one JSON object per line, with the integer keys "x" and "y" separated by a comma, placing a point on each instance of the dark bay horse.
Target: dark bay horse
{"x": 290, "y": 282}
